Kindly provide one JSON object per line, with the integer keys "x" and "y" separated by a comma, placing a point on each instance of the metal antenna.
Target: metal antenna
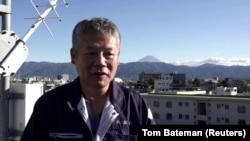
{"x": 52, "y": 4}
{"x": 13, "y": 52}
{"x": 65, "y": 3}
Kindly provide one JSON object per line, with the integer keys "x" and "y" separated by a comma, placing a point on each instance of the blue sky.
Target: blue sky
{"x": 171, "y": 30}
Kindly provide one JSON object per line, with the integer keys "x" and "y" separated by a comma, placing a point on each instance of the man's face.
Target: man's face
{"x": 96, "y": 60}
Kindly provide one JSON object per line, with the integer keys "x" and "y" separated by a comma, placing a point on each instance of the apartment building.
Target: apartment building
{"x": 202, "y": 109}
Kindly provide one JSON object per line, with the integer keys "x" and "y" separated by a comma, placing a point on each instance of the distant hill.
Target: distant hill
{"x": 52, "y": 70}
{"x": 133, "y": 69}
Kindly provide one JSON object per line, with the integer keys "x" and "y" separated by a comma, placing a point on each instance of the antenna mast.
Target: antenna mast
{"x": 52, "y": 4}
{"x": 13, "y": 52}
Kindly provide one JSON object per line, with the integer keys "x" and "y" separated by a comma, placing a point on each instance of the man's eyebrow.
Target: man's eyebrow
{"x": 90, "y": 47}
{"x": 110, "y": 48}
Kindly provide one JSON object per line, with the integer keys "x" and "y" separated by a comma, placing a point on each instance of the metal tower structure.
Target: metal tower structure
{"x": 13, "y": 53}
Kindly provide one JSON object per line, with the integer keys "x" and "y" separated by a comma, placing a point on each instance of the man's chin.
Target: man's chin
{"x": 100, "y": 84}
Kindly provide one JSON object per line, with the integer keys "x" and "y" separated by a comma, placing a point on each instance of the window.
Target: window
{"x": 156, "y": 115}
{"x": 241, "y": 109}
{"x": 242, "y": 122}
{"x": 169, "y": 116}
{"x": 201, "y": 108}
{"x": 180, "y": 104}
{"x": 156, "y": 103}
{"x": 186, "y": 104}
{"x": 169, "y": 104}
{"x": 227, "y": 106}
{"x": 180, "y": 116}
{"x": 218, "y": 106}
{"x": 209, "y": 104}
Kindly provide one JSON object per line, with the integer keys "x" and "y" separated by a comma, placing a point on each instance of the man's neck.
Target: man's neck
{"x": 95, "y": 93}
{"x": 97, "y": 99}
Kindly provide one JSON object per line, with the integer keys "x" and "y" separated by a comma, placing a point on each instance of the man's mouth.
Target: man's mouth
{"x": 100, "y": 73}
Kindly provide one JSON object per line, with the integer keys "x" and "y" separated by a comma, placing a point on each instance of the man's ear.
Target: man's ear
{"x": 72, "y": 55}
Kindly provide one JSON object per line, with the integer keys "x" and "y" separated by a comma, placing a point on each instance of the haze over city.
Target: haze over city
{"x": 177, "y": 32}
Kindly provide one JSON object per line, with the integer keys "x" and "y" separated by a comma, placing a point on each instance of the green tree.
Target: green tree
{"x": 196, "y": 82}
{"x": 225, "y": 82}
{"x": 242, "y": 83}
{"x": 151, "y": 81}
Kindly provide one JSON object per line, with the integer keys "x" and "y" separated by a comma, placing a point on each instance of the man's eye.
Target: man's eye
{"x": 110, "y": 54}
{"x": 91, "y": 53}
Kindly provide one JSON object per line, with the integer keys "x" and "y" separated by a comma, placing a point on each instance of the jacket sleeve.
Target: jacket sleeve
{"x": 143, "y": 111}
{"x": 146, "y": 111}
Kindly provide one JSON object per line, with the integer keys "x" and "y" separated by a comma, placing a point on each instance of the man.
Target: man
{"x": 93, "y": 106}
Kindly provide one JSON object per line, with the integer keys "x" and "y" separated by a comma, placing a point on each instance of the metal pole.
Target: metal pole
{"x": 5, "y": 84}
{"x": 4, "y": 108}
{"x": 36, "y": 24}
{"x": 6, "y": 18}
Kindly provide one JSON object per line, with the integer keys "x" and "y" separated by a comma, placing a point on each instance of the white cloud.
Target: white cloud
{"x": 216, "y": 61}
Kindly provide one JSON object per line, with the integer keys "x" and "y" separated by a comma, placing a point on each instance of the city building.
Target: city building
{"x": 172, "y": 103}
{"x": 202, "y": 109}
{"x": 64, "y": 77}
{"x": 169, "y": 82}
{"x": 162, "y": 82}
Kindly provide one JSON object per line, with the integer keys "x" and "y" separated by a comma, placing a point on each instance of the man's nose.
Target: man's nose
{"x": 100, "y": 59}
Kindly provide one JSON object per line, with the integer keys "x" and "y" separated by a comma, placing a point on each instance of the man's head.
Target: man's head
{"x": 95, "y": 52}
{"x": 95, "y": 24}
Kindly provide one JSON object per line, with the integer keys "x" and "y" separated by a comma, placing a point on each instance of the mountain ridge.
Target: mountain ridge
{"x": 133, "y": 69}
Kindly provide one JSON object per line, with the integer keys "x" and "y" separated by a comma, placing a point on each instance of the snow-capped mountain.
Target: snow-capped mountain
{"x": 149, "y": 58}
{"x": 215, "y": 61}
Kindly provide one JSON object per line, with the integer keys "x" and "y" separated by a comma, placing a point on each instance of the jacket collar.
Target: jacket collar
{"x": 74, "y": 93}
{"x": 117, "y": 97}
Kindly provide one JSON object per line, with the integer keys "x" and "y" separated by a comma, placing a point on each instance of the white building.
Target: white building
{"x": 163, "y": 84}
{"x": 118, "y": 80}
{"x": 226, "y": 90}
{"x": 21, "y": 108}
{"x": 199, "y": 109}
{"x": 64, "y": 77}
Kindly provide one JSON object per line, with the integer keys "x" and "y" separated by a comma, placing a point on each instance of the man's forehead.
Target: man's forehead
{"x": 101, "y": 48}
{"x": 100, "y": 35}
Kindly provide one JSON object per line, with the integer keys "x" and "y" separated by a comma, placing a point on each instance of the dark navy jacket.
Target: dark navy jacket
{"x": 61, "y": 115}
